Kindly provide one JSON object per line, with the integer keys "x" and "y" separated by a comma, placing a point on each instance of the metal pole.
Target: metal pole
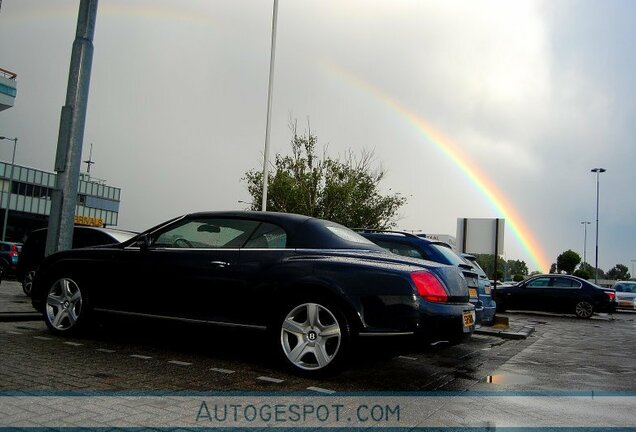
{"x": 598, "y": 171}
{"x": 269, "y": 106}
{"x": 496, "y": 252}
{"x": 71, "y": 134}
{"x": 6, "y": 210}
{"x": 585, "y": 224}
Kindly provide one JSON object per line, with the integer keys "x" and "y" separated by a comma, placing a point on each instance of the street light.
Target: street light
{"x": 633, "y": 275}
{"x": 585, "y": 224}
{"x": 6, "y": 210}
{"x": 598, "y": 171}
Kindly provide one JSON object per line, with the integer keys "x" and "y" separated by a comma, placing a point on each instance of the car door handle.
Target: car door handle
{"x": 220, "y": 263}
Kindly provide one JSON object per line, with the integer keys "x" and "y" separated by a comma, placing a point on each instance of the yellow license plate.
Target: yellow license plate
{"x": 469, "y": 318}
{"x": 487, "y": 289}
{"x": 472, "y": 292}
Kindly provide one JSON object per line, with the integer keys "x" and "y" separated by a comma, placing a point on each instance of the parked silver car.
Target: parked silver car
{"x": 625, "y": 294}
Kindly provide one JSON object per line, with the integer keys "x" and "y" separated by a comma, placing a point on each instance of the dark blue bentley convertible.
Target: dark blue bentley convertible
{"x": 311, "y": 285}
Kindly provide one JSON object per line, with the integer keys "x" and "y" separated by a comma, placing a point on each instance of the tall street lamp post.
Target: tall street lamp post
{"x": 585, "y": 224}
{"x": 598, "y": 171}
{"x": 6, "y": 209}
{"x": 270, "y": 89}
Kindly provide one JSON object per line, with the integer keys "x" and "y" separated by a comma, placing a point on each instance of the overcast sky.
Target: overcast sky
{"x": 533, "y": 93}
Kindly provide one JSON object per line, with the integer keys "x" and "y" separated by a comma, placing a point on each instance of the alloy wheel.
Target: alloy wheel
{"x": 584, "y": 309}
{"x": 311, "y": 336}
{"x": 63, "y": 304}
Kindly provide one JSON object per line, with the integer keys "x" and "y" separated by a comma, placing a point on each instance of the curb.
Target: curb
{"x": 20, "y": 316}
{"x": 507, "y": 334}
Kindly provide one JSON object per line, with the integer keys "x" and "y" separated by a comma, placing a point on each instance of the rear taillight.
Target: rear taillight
{"x": 14, "y": 251}
{"x": 429, "y": 287}
{"x": 611, "y": 295}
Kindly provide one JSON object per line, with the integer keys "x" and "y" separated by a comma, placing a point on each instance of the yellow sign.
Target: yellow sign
{"x": 90, "y": 221}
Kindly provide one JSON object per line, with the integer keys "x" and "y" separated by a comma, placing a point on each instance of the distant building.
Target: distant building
{"x": 29, "y": 202}
{"x": 448, "y": 239}
{"x": 8, "y": 89}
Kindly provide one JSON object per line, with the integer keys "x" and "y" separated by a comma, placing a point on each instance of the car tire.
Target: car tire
{"x": 584, "y": 309}
{"x": 27, "y": 282}
{"x": 66, "y": 309}
{"x": 313, "y": 337}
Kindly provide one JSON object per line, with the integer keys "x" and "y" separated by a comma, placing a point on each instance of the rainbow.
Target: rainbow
{"x": 469, "y": 169}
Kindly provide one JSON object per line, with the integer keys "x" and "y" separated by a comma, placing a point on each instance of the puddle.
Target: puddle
{"x": 508, "y": 378}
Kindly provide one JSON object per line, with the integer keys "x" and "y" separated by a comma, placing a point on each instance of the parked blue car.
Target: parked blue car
{"x": 417, "y": 246}
{"x": 485, "y": 290}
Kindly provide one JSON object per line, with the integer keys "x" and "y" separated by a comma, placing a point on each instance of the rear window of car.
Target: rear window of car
{"x": 448, "y": 253}
{"x": 348, "y": 235}
{"x": 624, "y": 287}
{"x": 400, "y": 249}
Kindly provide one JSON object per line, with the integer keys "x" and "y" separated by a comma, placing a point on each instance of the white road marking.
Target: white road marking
{"x": 139, "y": 356}
{"x": 179, "y": 363}
{"x": 321, "y": 390}
{"x": 73, "y": 343}
{"x": 270, "y": 379}
{"x": 225, "y": 371}
{"x": 42, "y": 338}
{"x": 407, "y": 358}
{"x": 104, "y": 350}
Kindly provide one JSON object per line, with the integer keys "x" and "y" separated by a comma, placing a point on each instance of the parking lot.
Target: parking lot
{"x": 562, "y": 353}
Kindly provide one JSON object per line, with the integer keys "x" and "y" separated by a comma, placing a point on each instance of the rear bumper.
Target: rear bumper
{"x": 626, "y": 304}
{"x": 444, "y": 321}
{"x": 606, "y": 307}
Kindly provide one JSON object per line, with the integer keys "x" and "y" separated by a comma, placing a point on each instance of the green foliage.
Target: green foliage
{"x": 516, "y": 267}
{"x": 553, "y": 268}
{"x": 583, "y": 273}
{"x": 619, "y": 272}
{"x": 592, "y": 271}
{"x": 517, "y": 278}
{"x": 568, "y": 261}
{"x": 346, "y": 192}
{"x": 505, "y": 269}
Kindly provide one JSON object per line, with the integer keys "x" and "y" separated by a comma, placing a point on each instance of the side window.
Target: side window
{"x": 206, "y": 233}
{"x": 400, "y": 249}
{"x": 267, "y": 236}
{"x": 539, "y": 282}
{"x": 565, "y": 283}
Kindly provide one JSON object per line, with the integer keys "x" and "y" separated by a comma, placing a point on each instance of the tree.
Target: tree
{"x": 516, "y": 269}
{"x": 553, "y": 268}
{"x": 487, "y": 262}
{"x": 346, "y": 192}
{"x": 568, "y": 261}
{"x": 592, "y": 270}
{"x": 583, "y": 273}
{"x": 517, "y": 278}
{"x": 618, "y": 272}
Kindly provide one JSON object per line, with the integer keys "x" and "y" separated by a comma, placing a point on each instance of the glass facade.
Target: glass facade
{"x": 30, "y": 197}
